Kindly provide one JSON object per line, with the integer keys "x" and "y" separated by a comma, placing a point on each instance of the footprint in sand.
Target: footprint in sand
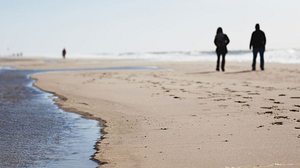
{"x": 219, "y": 99}
{"x": 295, "y": 97}
{"x": 272, "y": 99}
{"x": 294, "y": 110}
{"x": 267, "y": 112}
{"x": 165, "y": 89}
{"x": 266, "y": 107}
{"x": 281, "y": 95}
{"x": 238, "y": 101}
{"x": 247, "y": 97}
{"x": 277, "y": 123}
{"x": 164, "y": 129}
{"x": 175, "y": 97}
{"x": 277, "y": 102}
{"x": 296, "y": 105}
{"x": 84, "y": 104}
{"x": 281, "y": 117}
{"x": 253, "y": 94}
{"x": 182, "y": 90}
{"x": 229, "y": 90}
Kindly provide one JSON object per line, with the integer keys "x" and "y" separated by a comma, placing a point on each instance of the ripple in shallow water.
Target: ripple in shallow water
{"x": 36, "y": 133}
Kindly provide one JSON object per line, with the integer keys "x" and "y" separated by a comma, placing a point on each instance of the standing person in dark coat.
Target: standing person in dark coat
{"x": 258, "y": 43}
{"x": 64, "y": 53}
{"x": 221, "y": 41}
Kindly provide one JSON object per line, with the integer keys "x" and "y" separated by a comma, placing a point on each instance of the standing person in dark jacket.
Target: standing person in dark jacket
{"x": 258, "y": 43}
{"x": 64, "y": 53}
{"x": 221, "y": 41}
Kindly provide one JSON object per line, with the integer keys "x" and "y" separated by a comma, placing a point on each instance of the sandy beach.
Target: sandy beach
{"x": 184, "y": 114}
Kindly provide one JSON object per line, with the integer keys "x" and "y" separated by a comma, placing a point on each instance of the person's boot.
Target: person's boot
{"x": 223, "y": 67}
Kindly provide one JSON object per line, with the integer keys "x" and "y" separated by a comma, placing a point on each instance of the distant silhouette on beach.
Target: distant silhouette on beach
{"x": 64, "y": 53}
{"x": 221, "y": 41}
{"x": 257, "y": 44}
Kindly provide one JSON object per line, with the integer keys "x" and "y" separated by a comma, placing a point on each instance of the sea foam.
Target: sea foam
{"x": 275, "y": 56}
{"x": 289, "y": 56}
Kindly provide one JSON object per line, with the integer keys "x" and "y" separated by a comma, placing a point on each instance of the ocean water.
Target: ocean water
{"x": 285, "y": 56}
{"x": 288, "y": 56}
{"x": 275, "y": 56}
{"x": 35, "y": 133}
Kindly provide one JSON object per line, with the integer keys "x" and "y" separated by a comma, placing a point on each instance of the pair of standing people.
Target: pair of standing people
{"x": 257, "y": 44}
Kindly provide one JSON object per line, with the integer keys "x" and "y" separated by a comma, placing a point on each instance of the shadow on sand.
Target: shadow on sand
{"x": 205, "y": 72}
{"x": 238, "y": 72}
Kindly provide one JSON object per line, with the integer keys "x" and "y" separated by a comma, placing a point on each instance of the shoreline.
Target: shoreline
{"x": 192, "y": 113}
{"x": 59, "y": 100}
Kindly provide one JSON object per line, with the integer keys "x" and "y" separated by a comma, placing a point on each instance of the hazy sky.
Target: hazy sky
{"x": 93, "y": 26}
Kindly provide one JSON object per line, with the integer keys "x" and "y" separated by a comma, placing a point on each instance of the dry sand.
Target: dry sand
{"x": 185, "y": 114}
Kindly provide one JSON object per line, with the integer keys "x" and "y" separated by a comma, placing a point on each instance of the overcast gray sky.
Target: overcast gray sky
{"x": 93, "y": 26}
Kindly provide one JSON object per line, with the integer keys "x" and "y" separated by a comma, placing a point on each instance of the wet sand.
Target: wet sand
{"x": 186, "y": 114}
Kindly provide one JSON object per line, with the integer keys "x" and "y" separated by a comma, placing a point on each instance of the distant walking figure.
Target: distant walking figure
{"x": 221, "y": 41}
{"x": 64, "y": 53}
{"x": 258, "y": 43}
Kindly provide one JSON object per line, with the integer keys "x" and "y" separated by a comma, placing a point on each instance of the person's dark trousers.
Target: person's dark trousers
{"x": 222, "y": 63}
{"x": 262, "y": 60}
